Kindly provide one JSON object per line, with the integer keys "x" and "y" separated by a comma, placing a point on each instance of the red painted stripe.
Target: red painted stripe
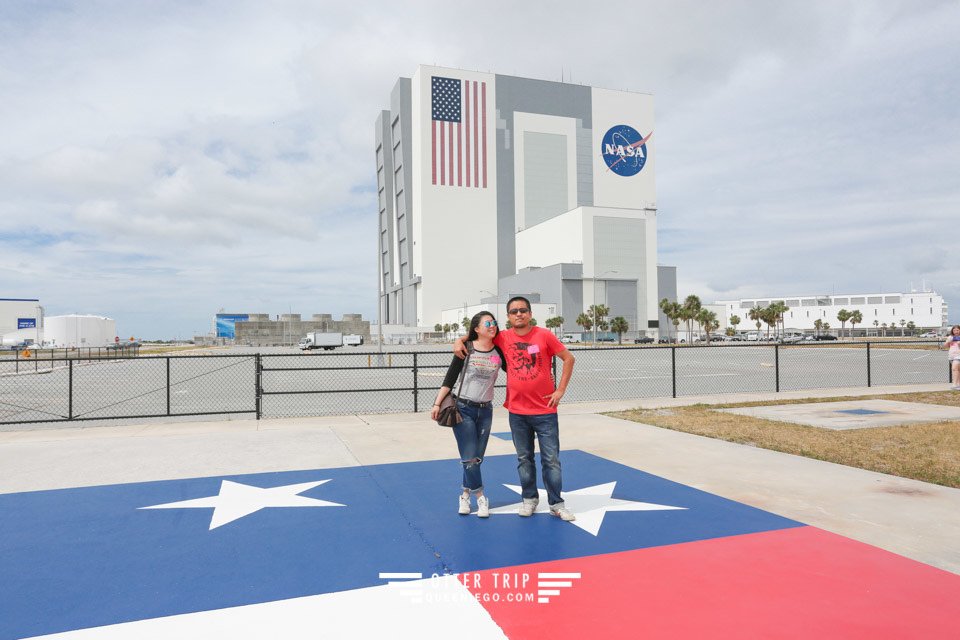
{"x": 466, "y": 114}
{"x": 483, "y": 103}
{"x": 800, "y": 582}
{"x": 476, "y": 142}
{"x": 450, "y": 155}
{"x": 433, "y": 150}
{"x": 443, "y": 156}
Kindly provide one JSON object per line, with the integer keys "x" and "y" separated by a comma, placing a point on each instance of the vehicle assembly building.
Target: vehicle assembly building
{"x": 493, "y": 185}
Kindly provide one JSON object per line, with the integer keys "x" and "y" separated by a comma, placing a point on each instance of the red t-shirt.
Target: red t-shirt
{"x": 529, "y": 375}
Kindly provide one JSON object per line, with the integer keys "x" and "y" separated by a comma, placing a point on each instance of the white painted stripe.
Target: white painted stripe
{"x": 557, "y": 576}
{"x": 548, "y": 592}
{"x": 543, "y": 600}
{"x": 401, "y": 576}
{"x": 554, "y": 583}
{"x": 447, "y": 605}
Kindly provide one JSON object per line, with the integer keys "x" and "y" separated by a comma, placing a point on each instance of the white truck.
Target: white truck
{"x": 352, "y": 340}
{"x": 571, "y": 338}
{"x": 318, "y": 340}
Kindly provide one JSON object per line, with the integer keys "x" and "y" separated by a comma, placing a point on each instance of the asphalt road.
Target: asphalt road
{"x": 360, "y": 380}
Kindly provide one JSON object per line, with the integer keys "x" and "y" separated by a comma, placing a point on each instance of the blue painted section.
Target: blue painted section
{"x": 861, "y": 412}
{"x": 226, "y": 324}
{"x": 78, "y": 558}
{"x": 503, "y": 435}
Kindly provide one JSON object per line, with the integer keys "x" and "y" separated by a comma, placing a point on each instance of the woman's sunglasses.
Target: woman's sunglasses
{"x": 490, "y": 323}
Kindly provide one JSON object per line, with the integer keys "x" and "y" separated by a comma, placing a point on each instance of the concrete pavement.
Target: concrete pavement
{"x": 911, "y": 518}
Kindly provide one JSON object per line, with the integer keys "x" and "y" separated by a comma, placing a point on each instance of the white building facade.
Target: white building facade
{"x": 491, "y": 186}
{"x": 73, "y": 331}
{"x": 21, "y": 321}
{"x": 925, "y": 309}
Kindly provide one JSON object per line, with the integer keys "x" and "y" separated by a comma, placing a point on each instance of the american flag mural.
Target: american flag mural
{"x": 459, "y": 132}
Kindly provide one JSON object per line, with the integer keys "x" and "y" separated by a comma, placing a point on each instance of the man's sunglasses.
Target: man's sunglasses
{"x": 518, "y": 311}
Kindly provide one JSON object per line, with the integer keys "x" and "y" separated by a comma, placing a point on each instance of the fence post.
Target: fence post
{"x": 168, "y": 385}
{"x": 416, "y": 393}
{"x": 776, "y": 364}
{"x": 70, "y": 392}
{"x": 673, "y": 369}
{"x": 16, "y": 357}
{"x": 258, "y": 382}
{"x": 868, "y": 365}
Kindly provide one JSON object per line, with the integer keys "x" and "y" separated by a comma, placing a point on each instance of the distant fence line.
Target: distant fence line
{"x": 109, "y": 385}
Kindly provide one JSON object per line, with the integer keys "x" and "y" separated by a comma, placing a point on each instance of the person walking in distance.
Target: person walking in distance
{"x": 953, "y": 354}
{"x": 532, "y": 403}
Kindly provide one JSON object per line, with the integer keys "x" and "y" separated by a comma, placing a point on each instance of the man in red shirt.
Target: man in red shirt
{"x": 532, "y": 402}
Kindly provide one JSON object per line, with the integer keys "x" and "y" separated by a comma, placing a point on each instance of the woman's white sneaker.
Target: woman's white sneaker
{"x": 483, "y": 507}
{"x": 464, "y": 509}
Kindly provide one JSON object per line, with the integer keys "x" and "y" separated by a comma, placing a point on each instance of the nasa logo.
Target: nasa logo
{"x": 624, "y": 150}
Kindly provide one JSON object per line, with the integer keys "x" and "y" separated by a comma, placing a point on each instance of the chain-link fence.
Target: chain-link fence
{"x": 285, "y": 385}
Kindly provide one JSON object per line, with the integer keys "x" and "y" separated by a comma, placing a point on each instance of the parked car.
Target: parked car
{"x": 643, "y": 340}
{"x": 718, "y": 337}
{"x": 792, "y": 338}
{"x": 570, "y": 338}
{"x": 606, "y": 339}
{"x": 825, "y": 336}
{"x": 665, "y": 341}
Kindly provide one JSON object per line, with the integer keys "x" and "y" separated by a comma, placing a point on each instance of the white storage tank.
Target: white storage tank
{"x": 79, "y": 331}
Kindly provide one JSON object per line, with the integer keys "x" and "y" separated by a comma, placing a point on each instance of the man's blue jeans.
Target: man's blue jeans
{"x": 472, "y": 436}
{"x": 547, "y": 431}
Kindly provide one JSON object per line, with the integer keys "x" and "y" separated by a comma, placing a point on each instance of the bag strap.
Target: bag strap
{"x": 463, "y": 371}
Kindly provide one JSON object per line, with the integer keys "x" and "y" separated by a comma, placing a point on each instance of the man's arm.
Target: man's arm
{"x": 567, "y": 358}
{"x": 460, "y": 347}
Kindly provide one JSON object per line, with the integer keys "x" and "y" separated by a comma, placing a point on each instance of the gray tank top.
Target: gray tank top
{"x": 481, "y": 376}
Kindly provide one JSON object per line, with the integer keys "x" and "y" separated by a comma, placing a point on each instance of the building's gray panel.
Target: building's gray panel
{"x": 532, "y": 96}
{"x": 384, "y": 166}
{"x": 584, "y": 166}
{"x": 621, "y": 299}
{"x": 619, "y": 244}
{"x": 544, "y": 176}
{"x": 666, "y": 288}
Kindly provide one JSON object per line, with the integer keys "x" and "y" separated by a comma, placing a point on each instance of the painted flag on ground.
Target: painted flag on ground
{"x": 458, "y": 132}
{"x": 361, "y": 551}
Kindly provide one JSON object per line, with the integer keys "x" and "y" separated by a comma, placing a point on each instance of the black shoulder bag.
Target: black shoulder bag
{"x": 449, "y": 414}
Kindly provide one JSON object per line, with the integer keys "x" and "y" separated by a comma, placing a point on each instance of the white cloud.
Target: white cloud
{"x": 165, "y": 160}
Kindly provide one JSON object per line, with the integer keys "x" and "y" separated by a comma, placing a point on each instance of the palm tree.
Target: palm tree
{"x": 755, "y": 314}
{"x": 843, "y": 315}
{"x": 553, "y": 323}
{"x": 826, "y": 327}
{"x": 671, "y": 309}
{"x": 598, "y": 314}
{"x": 446, "y": 329}
{"x": 584, "y": 321}
{"x": 779, "y": 308}
{"x": 912, "y": 326}
{"x": 619, "y": 326}
{"x": 876, "y": 323}
{"x": 884, "y": 325}
{"x": 690, "y": 308}
{"x": 708, "y": 320}
{"x": 855, "y": 318}
{"x": 817, "y": 326}
{"x": 734, "y": 321}
{"x": 438, "y": 327}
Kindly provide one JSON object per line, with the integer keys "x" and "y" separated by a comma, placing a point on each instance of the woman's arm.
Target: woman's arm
{"x": 453, "y": 373}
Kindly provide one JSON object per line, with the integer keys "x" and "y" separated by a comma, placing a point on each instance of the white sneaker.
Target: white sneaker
{"x": 483, "y": 507}
{"x": 563, "y": 513}
{"x": 528, "y": 507}
{"x": 464, "y": 504}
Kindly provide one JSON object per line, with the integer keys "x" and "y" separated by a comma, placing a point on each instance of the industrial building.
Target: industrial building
{"x": 21, "y": 321}
{"x": 73, "y": 331}
{"x": 492, "y": 186}
{"x": 927, "y": 310}
{"x": 257, "y": 329}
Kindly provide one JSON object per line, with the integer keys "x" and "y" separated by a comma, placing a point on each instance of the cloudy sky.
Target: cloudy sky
{"x": 160, "y": 161}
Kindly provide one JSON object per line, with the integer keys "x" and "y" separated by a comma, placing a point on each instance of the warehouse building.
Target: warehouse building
{"x": 491, "y": 186}
{"x": 73, "y": 331}
{"x": 881, "y": 312}
{"x": 21, "y": 321}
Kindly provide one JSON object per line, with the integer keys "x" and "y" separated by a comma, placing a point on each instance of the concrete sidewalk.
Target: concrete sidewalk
{"x": 914, "y": 519}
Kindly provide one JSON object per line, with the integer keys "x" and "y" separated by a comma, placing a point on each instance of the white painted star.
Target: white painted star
{"x": 589, "y": 504}
{"x": 236, "y": 500}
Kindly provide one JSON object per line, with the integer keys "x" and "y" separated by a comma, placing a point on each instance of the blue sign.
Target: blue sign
{"x": 26, "y": 323}
{"x": 226, "y": 324}
{"x": 624, "y": 150}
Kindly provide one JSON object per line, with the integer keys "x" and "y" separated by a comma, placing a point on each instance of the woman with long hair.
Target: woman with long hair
{"x": 475, "y": 402}
{"x": 953, "y": 354}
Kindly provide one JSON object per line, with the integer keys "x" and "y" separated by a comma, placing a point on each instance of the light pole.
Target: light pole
{"x": 595, "y": 317}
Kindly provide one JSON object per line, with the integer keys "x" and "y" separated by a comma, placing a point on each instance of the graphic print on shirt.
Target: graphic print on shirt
{"x": 522, "y": 358}
{"x": 485, "y": 366}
